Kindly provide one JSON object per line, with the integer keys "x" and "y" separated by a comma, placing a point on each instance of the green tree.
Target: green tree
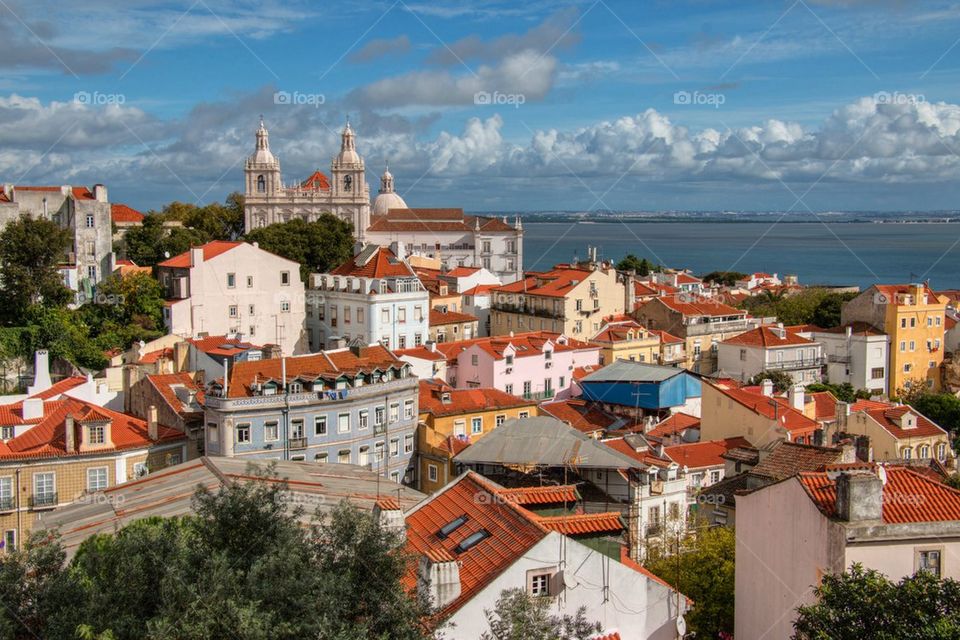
{"x": 520, "y": 616}
{"x": 728, "y": 278}
{"x": 125, "y": 309}
{"x": 843, "y": 392}
{"x": 631, "y": 262}
{"x": 318, "y": 246}
{"x": 31, "y": 250}
{"x": 704, "y": 571}
{"x": 62, "y": 332}
{"x": 813, "y": 305}
{"x": 782, "y": 381}
{"x": 864, "y": 602}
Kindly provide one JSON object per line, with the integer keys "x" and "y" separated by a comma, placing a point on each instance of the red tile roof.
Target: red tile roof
{"x": 166, "y": 383}
{"x": 525, "y": 344}
{"x": 677, "y": 423}
{"x": 647, "y": 456}
{"x": 622, "y": 331}
{"x": 440, "y": 318}
{"x": 455, "y": 444}
{"x": 80, "y": 193}
{"x": 210, "y": 250}
{"x": 150, "y": 357}
{"x": 326, "y": 364}
{"x": 907, "y": 496}
{"x": 698, "y": 455}
{"x": 584, "y": 417}
{"x": 463, "y": 401}
{"x": 123, "y": 213}
{"x": 422, "y": 353}
{"x": 824, "y": 404}
{"x": 550, "y": 494}
{"x": 857, "y": 328}
{"x": 582, "y": 372}
{"x": 59, "y": 387}
{"x": 383, "y": 263}
{"x": 667, "y": 338}
{"x": 686, "y": 305}
{"x": 772, "y": 408}
{"x": 316, "y": 182}
{"x": 47, "y": 438}
{"x": 767, "y": 337}
{"x": 222, "y": 345}
{"x": 434, "y": 220}
{"x": 513, "y": 532}
{"x": 888, "y": 416}
{"x": 462, "y": 272}
{"x": 480, "y": 290}
{"x": 584, "y": 523}
{"x": 557, "y": 283}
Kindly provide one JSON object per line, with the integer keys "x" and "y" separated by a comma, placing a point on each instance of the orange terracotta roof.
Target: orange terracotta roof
{"x": 697, "y": 455}
{"x": 767, "y": 337}
{"x": 123, "y": 213}
{"x": 582, "y": 416}
{"x": 80, "y": 193}
{"x": 677, "y": 423}
{"x": 513, "y": 532}
{"x": 324, "y": 364}
{"x": 165, "y": 384}
{"x": 772, "y": 408}
{"x": 439, "y": 318}
{"x": 647, "y": 456}
{"x": 557, "y": 283}
{"x": 463, "y": 401}
{"x": 47, "y": 438}
{"x": 388, "y": 503}
{"x": 857, "y": 328}
{"x": 383, "y": 263}
{"x": 824, "y": 404}
{"x": 667, "y": 338}
{"x": 434, "y": 220}
{"x": 582, "y": 372}
{"x": 907, "y": 496}
{"x": 480, "y": 290}
{"x": 316, "y": 182}
{"x": 12, "y": 414}
{"x": 888, "y": 416}
{"x": 455, "y": 444}
{"x": 584, "y": 523}
{"x": 422, "y": 353}
{"x": 620, "y": 331}
{"x": 150, "y": 357}
{"x": 686, "y": 278}
{"x": 891, "y": 290}
{"x": 222, "y": 345}
{"x": 949, "y": 323}
{"x": 61, "y": 386}
{"x": 462, "y": 272}
{"x": 525, "y": 344}
{"x": 550, "y": 494}
{"x": 210, "y": 250}
{"x": 683, "y": 304}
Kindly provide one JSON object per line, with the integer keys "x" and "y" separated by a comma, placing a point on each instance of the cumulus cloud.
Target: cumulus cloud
{"x": 379, "y": 48}
{"x": 24, "y": 47}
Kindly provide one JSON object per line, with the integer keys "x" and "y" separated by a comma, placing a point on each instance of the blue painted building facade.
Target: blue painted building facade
{"x": 643, "y": 388}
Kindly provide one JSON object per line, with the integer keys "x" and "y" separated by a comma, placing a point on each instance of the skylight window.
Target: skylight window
{"x": 472, "y": 540}
{"x": 452, "y": 526}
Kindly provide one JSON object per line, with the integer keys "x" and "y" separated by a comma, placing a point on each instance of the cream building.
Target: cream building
{"x": 571, "y": 301}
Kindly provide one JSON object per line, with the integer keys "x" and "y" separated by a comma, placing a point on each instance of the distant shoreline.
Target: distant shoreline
{"x": 694, "y": 220}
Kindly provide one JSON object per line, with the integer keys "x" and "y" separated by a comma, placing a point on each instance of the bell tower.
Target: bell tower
{"x": 262, "y": 170}
{"x": 350, "y": 191}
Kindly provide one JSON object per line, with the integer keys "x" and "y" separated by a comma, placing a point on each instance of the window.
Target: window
{"x": 6, "y": 493}
{"x": 474, "y": 359}
{"x": 906, "y": 453}
{"x": 96, "y": 479}
{"x": 903, "y": 323}
{"x": 251, "y": 309}
{"x": 903, "y": 345}
{"x": 378, "y": 415}
{"x": 508, "y": 388}
{"x": 385, "y": 316}
{"x": 231, "y": 280}
{"x": 321, "y": 457}
{"x": 6, "y": 432}
{"x": 394, "y": 447}
{"x": 579, "y": 304}
{"x": 743, "y": 355}
{"x": 233, "y": 311}
{"x": 378, "y": 451}
{"x": 924, "y": 451}
{"x": 243, "y": 432}
{"x": 261, "y": 184}
{"x": 432, "y": 472}
{"x": 417, "y": 339}
{"x": 402, "y": 314}
{"x": 363, "y": 418}
{"x": 402, "y": 342}
{"x": 408, "y": 443}
{"x": 714, "y": 476}
{"x": 561, "y": 382}
{"x": 364, "y": 455}
{"x": 526, "y": 388}
{"x": 343, "y": 456}
{"x": 418, "y": 313}
{"x": 539, "y": 584}
{"x": 92, "y": 272}
{"x": 284, "y": 305}
{"x": 44, "y": 489}
{"x": 320, "y": 426}
{"x": 913, "y": 345}
{"x": 476, "y": 425}
{"x": 91, "y": 221}
{"x": 97, "y": 434}
{"x": 907, "y": 367}
{"x": 284, "y": 278}
{"x": 346, "y": 315}
{"x": 941, "y": 452}
{"x": 296, "y": 428}
{"x": 523, "y": 414}
{"x": 408, "y": 409}
{"x": 343, "y": 423}
{"x": 937, "y": 321}
{"x": 249, "y": 281}
{"x": 876, "y": 373}
{"x": 271, "y": 431}
{"x": 500, "y": 419}
{"x": 913, "y": 322}
{"x": 10, "y": 540}
{"x": 929, "y": 560}
{"x": 394, "y": 411}
{"x": 459, "y": 427}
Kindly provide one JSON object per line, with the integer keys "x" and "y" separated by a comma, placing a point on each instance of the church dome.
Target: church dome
{"x": 386, "y": 201}
{"x": 262, "y": 154}
{"x": 348, "y": 151}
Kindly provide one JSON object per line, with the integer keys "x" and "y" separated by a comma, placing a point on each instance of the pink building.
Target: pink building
{"x": 536, "y": 365}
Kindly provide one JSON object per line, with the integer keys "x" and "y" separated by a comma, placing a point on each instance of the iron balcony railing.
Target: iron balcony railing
{"x": 43, "y": 500}
{"x": 6, "y": 504}
{"x": 798, "y": 363}
{"x": 296, "y": 443}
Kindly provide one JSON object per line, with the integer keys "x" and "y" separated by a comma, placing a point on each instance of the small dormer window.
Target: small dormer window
{"x": 97, "y": 434}
{"x": 295, "y": 387}
{"x": 445, "y": 397}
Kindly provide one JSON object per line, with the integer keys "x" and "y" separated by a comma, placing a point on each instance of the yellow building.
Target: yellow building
{"x": 571, "y": 301}
{"x": 57, "y": 451}
{"x": 914, "y": 318}
{"x": 621, "y": 338}
{"x": 451, "y": 419}
{"x": 898, "y": 432}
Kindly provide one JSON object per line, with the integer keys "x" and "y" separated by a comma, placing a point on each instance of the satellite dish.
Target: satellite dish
{"x": 882, "y": 474}
{"x": 681, "y": 626}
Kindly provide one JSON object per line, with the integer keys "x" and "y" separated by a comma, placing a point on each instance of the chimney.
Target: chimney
{"x": 153, "y": 430}
{"x": 780, "y": 331}
{"x": 69, "y": 434}
{"x": 630, "y": 292}
{"x": 859, "y": 497}
{"x": 32, "y": 408}
{"x": 100, "y": 193}
{"x": 388, "y": 513}
{"x": 796, "y": 397}
{"x": 196, "y": 256}
{"x": 41, "y": 372}
{"x": 849, "y": 453}
{"x": 399, "y": 249}
{"x": 766, "y": 387}
{"x": 438, "y": 578}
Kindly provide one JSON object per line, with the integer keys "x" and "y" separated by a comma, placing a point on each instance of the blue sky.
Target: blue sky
{"x": 822, "y": 105}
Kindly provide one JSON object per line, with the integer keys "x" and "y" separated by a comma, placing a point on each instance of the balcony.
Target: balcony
{"x": 839, "y": 359}
{"x": 799, "y": 363}
{"x": 654, "y": 529}
{"x": 309, "y": 397}
{"x": 43, "y": 500}
{"x": 539, "y": 395}
{"x": 6, "y": 504}
{"x": 708, "y": 328}
{"x": 294, "y": 444}
{"x": 528, "y": 311}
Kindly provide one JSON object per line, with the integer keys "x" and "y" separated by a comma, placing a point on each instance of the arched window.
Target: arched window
{"x": 261, "y": 184}
{"x": 347, "y": 183}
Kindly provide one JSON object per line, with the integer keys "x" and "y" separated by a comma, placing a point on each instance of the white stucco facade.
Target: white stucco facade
{"x": 859, "y": 358}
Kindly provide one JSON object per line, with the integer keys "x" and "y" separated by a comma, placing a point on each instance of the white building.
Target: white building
{"x": 856, "y": 353}
{"x": 755, "y": 280}
{"x": 236, "y": 289}
{"x": 770, "y": 348}
{"x": 374, "y": 296}
{"x": 474, "y": 543}
{"x": 267, "y": 200}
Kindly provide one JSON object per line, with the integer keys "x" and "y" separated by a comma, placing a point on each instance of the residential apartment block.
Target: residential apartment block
{"x": 238, "y": 289}
{"x": 373, "y": 297}
{"x": 770, "y": 348}
{"x": 572, "y": 301}
{"x": 895, "y": 432}
{"x": 856, "y": 353}
{"x": 756, "y": 414}
{"x": 355, "y": 406}
{"x": 914, "y": 317}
